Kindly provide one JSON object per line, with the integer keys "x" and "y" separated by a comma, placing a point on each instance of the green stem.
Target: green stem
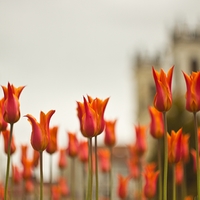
{"x": 197, "y": 155}
{"x": 160, "y": 168}
{"x": 89, "y": 192}
{"x": 84, "y": 178}
{"x": 174, "y": 182}
{"x": 41, "y": 176}
{"x": 110, "y": 175}
{"x": 73, "y": 178}
{"x": 8, "y": 162}
{"x": 96, "y": 170}
{"x": 165, "y": 158}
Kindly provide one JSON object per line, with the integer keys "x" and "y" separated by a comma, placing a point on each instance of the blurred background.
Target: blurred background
{"x": 64, "y": 50}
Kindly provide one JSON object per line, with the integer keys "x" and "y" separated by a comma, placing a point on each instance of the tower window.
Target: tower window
{"x": 194, "y": 65}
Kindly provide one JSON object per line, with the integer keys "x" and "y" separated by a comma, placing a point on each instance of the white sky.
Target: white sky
{"x": 62, "y": 50}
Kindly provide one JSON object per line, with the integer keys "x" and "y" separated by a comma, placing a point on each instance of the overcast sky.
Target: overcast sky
{"x": 62, "y": 50}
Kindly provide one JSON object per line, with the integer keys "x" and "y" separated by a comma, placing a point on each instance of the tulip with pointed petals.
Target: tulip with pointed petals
{"x": 193, "y": 91}
{"x": 72, "y": 144}
{"x": 91, "y": 116}
{"x": 122, "y": 189}
{"x": 11, "y": 103}
{"x": 110, "y": 133}
{"x": 104, "y": 160}
{"x": 62, "y": 162}
{"x": 40, "y": 130}
{"x": 163, "y": 97}
{"x": 6, "y": 136}
{"x": 52, "y": 145}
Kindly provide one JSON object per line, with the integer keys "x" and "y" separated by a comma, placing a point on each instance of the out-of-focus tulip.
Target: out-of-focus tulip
{"x": 6, "y": 136}
{"x": 29, "y": 186}
{"x": 11, "y": 103}
{"x": 27, "y": 171}
{"x": 3, "y": 123}
{"x": 72, "y": 144}
{"x": 156, "y": 124}
{"x": 163, "y": 82}
{"x": 104, "y": 160}
{"x": 40, "y": 131}
{"x": 52, "y": 145}
{"x": 175, "y": 146}
{"x": 110, "y": 133}
{"x": 1, "y": 191}
{"x": 24, "y": 149}
{"x": 193, "y": 91}
{"x": 91, "y": 116}
{"x": 179, "y": 171}
{"x": 151, "y": 177}
{"x": 122, "y": 189}
{"x": 62, "y": 162}
{"x": 185, "y": 148}
{"x": 140, "y": 139}
{"x": 55, "y": 192}
{"x": 16, "y": 174}
{"x": 133, "y": 166}
{"x": 194, "y": 158}
{"x": 189, "y": 198}
{"x": 83, "y": 151}
{"x": 64, "y": 189}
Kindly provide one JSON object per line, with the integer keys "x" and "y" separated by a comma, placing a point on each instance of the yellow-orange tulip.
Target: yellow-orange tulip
{"x": 91, "y": 116}
{"x": 193, "y": 91}
{"x": 40, "y": 131}
{"x": 163, "y": 82}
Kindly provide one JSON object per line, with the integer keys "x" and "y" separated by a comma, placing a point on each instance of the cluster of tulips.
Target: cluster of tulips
{"x": 151, "y": 178}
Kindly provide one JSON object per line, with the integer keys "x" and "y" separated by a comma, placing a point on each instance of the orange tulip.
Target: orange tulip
{"x": 62, "y": 162}
{"x": 55, "y": 192}
{"x": 175, "y": 146}
{"x": 189, "y": 198}
{"x": 140, "y": 139}
{"x": 193, "y": 91}
{"x": 64, "y": 189}
{"x": 133, "y": 167}
{"x": 29, "y": 186}
{"x": 72, "y": 145}
{"x": 151, "y": 177}
{"x": 179, "y": 173}
{"x": 1, "y": 191}
{"x": 23, "y": 153}
{"x": 40, "y": 131}
{"x": 52, "y": 145}
{"x": 36, "y": 157}
{"x": 6, "y": 136}
{"x": 3, "y": 123}
{"x": 91, "y": 116}
{"x": 194, "y": 158}
{"x": 157, "y": 124}
{"x": 83, "y": 151}
{"x": 11, "y": 103}
{"x": 163, "y": 97}
{"x": 122, "y": 186}
{"x": 110, "y": 135}
{"x": 27, "y": 169}
{"x": 104, "y": 160}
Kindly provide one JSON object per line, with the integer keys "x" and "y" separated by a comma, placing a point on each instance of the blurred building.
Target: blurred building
{"x": 183, "y": 52}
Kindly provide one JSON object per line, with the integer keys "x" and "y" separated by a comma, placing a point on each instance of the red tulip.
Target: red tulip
{"x": 193, "y": 91}
{"x": 175, "y": 146}
{"x": 110, "y": 133}
{"x": 157, "y": 124}
{"x": 163, "y": 97}
{"x": 11, "y": 103}
{"x": 40, "y": 131}
{"x": 140, "y": 139}
{"x": 52, "y": 145}
{"x": 72, "y": 145}
{"x": 104, "y": 160}
{"x": 91, "y": 116}
{"x": 122, "y": 186}
{"x": 83, "y": 151}
{"x": 151, "y": 177}
{"x": 6, "y": 136}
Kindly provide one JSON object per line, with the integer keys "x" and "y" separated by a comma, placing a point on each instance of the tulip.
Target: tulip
{"x": 133, "y": 166}
{"x": 104, "y": 158}
{"x": 16, "y": 174}
{"x": 140, "y": 139}
{"x": 122, "y": 186}
{"x": 72, "y": 145}
{"x": 175, "y": 146}
{"x": 193, "y": 91}
{"x": 27, "y": 171}
{"x": 179, "y": 171}
{"x": 2, "y": 191}
{"x": 6, "y": 136}
{"x": 23, "y": 153}
{"x": 40, "y": 131}
{"x": 163, "y": 97}
{"x": 64, "y": 189}
{"x": 52, "y": 145}
{"x": 55, "y": 192}
{"x": 11, "y": 103}
{"x": 110, "y": 133}
{"x": 36, "y": 157}
{"x": 62, "y": 162}
{"x": 157, "y": 124}
{"x": 151, "y": 177}
{"x": 83, "y": 151}
{"x": 29, "y": 186}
